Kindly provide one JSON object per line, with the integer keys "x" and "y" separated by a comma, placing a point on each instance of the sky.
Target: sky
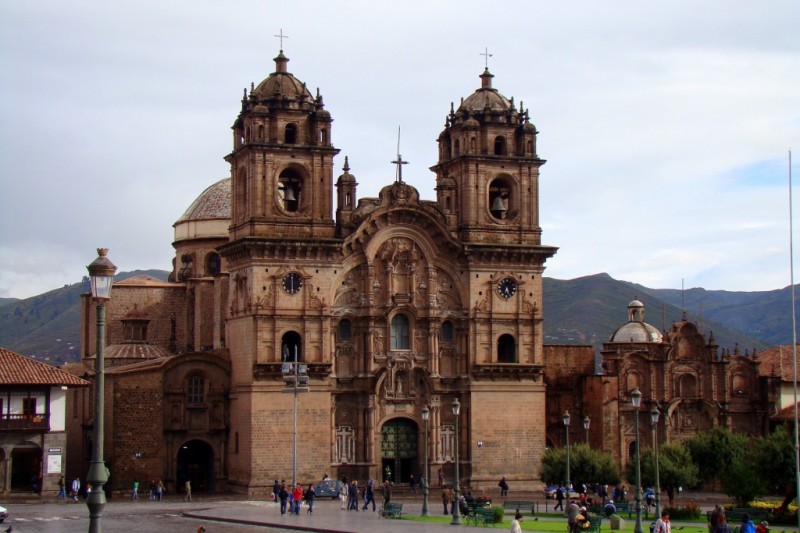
{"x": 666, "y": 126}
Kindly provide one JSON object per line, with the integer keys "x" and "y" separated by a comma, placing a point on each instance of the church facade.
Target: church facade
{"x": 385, "y": 306}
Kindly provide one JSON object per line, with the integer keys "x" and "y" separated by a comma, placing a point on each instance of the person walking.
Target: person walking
{"x": 135, "y": 491}
{"x": 276, "y": 488}
{"x": 62, "y": 489}
{"x": 441, "y": 478}
{"x": 503, "y": 484}
{"x": 343, "y": 491}
{"x": 159, "y": 490}
{"x": 662, "y": 524}
{"x": 559, "y": 499}
{"x": 76, "y": 488}
{"x": 309, "y": 498}
{"x": 515, "y": 527}
{"x": 445, "y": 499}
{"x": 188, "y": 487}
{"x": 353, "y": 496}
{"x": 297, "y": 495}
{"x": 152, "y": 490}
{"x": 369, "y": 495}
{"x": 283, "y": 496}
{"x": 386, "y": 489}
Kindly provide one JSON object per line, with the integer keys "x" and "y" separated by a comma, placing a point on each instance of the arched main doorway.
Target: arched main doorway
{"x": 26, "y": 466}
{"x": 196, "y": 464}
{"x": 399, "y": 450}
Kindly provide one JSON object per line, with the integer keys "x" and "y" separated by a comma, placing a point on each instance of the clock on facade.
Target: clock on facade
{"x": 506, "y": 288}
{"x": 292, "y": 283}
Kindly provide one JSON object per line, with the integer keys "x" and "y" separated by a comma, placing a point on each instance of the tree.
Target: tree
{"x": 585, "y": 464}
{"x": 776, "y": 463}
{"x": 739, "y": 482}
{"x": 714, "y": 450}
{"x": 675, "y": 468}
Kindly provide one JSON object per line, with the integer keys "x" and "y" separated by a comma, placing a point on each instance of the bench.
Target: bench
{"x": 483, "y": 516}
{"x": 519, "y": 505}
{"x": 594, "y": 524}
{"x": 625, "y": 507}
{"x": 476, "y": 504}
{"x": 392, "y": 510}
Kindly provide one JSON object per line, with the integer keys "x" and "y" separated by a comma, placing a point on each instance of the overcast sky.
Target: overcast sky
{"x": 666, "y": 125}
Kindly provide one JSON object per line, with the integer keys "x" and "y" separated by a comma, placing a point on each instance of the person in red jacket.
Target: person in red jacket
{"x": 297, "y": 493}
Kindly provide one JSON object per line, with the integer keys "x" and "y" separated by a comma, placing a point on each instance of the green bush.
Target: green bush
{"x": 690, "y": 511}
{"x": 499, "y": 513}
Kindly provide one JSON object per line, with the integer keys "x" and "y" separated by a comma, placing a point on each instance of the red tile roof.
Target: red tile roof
{"x": 777, "y": 362}
{"x": 16, "y": 369}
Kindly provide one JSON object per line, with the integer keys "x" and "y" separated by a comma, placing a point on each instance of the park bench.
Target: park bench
{"x": 482, "y": 516}
{"x": 392, "y": 510}
{"x": 520, "y": 505}
{"x": 594, "y": 524}
{"x": 625, "y": 507}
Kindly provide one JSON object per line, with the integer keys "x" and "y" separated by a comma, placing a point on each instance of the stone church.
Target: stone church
{"x": 391, "y": 304}
{"x": 384, "y": 306}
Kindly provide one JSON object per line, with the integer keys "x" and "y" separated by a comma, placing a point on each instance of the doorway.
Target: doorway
{"x": 399, "y": 450}
{"x": 26, "y": 467}
{"x": 196, "y": 464}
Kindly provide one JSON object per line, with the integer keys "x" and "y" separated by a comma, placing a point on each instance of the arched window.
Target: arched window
{"x": 500, "y": 145}
{"x": 500, "y": 197}
{"x": 214, "y": 264}
{"x": 261, "y": 132}
{"x": 290, "y": 190}
{"x": 400, "y": 333}
{"x": 447, "y": 331}
{"x": 291, "y": 349}
{"x": 290, "y": 134}
{"x": 506, "y": 349}
{"x": 344, "y": 330}
{"x": 323, "y": 136}
{"x": 688, "y": 384}
{"x": 196, "y": 389}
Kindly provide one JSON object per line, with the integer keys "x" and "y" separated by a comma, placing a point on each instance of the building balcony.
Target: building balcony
{"x": 39, "y": 422}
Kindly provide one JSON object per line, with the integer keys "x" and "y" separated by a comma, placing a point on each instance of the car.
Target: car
{"x": 328, "y": 488}
{"x": 3, "y": 514}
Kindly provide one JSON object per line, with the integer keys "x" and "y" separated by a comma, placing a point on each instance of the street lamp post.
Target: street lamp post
{"x": 586, "y": 424}
{"x": 101, "y": 274}
{"x": 426, "y": 414}
{"x": 654, "y": 419}
{"x": 565, "y": 418}
{"x": 295, "y": 376}
{"x": 636, "y": 401}
{"x": 456, "y": 521}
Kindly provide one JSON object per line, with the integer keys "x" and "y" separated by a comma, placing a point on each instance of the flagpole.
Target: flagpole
{"x": 794, "y": 342}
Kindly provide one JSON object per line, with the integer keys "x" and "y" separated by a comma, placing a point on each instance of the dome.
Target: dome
{"x": 281, "y": 84}
{"x": 213, "y": 203}
{"x": 486, "y": 97}
{"x": 636, "y": 332}
{"x": 346, "y": 177}
{"x": 635, "y": 303}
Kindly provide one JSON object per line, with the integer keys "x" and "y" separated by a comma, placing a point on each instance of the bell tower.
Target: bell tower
{"x": 489, "y": 169}
{"x": 282, "y": 161}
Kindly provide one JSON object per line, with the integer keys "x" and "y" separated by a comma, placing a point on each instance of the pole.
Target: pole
{"x": 658, "y": 483}
{"x": 425, "y": 510}
{"x": 456, "y": 511}
{"x": 794, "y": 338}
{"x": 294, "y": 431}
{"x": 637, "y": 528}
{"x": 569, "y": 484}
{"x": 98, "y": 474}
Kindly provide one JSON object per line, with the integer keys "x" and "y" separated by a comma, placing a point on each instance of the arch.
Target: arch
{"x": 291, "y": 347}
{"x": 345, "y": 329}
{"x": 506, "y": 349}
{"x": 632, "y": 451}
{"x": 195, "y": 463}
{"x": 448, "y": 331}
{"x": 401, "y": 332}
{"x": 261, "y": 132}
{"x": 399, "y": 449}
{"x": 290, "y": 189}
{"x": 687, "y": 385}
{"x": 290, "y": 133}
{"x": 26, "y": 467}
{"x": 500, "y": 147}
{"x": 502, "y": 198}
{"x": 213, "y": 264}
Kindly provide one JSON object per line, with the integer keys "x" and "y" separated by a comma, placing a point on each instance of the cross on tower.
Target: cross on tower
{"x": 399, "y": 161}
{"x": 281, "y": 36}
{"x": 486, "y": 55}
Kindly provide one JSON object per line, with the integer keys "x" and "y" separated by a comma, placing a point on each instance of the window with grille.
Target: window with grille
{"x": 196, "y": 390}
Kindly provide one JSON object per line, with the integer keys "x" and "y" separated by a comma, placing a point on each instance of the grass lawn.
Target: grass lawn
{"x": 553, "y": 526}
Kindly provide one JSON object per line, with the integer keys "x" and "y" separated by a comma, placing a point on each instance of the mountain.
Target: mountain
{"x": 584, "y": 310}
{"x": 48, "y": 326}
{"x": 588, "y": 310}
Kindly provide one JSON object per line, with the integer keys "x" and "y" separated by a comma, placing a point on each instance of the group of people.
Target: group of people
{"x": 74, "y": 489}
{"x": 719, "y": 523}
{"x": 291, "y": 497}
{"x": 351, "y": 496}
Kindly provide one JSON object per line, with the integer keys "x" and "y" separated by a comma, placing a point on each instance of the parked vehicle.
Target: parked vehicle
{"x": 3, "y": 514}
{"x": 328, "y": 489}
{"x": 550, "y": 492}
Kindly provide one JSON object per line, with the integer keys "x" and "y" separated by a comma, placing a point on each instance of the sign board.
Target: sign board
{"x": 53, "y": 464}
